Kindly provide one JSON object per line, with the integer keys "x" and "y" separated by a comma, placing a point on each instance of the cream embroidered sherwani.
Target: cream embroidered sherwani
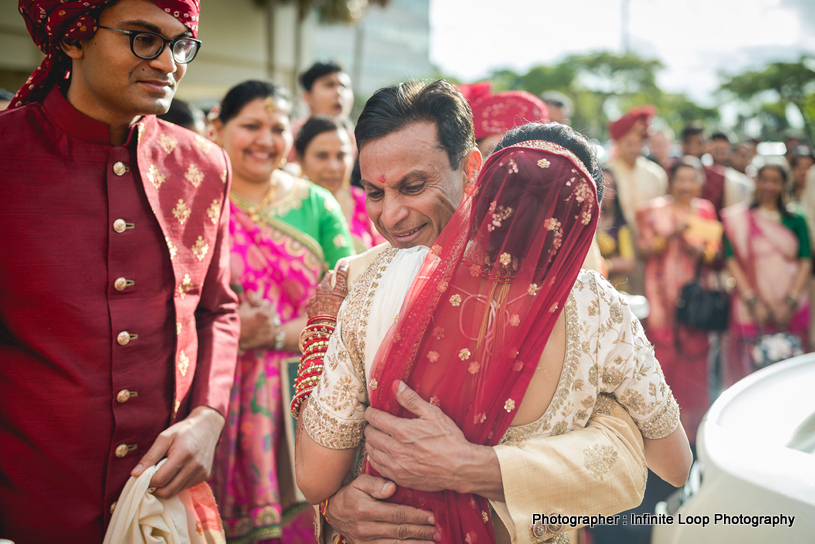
{"x": 545, "y": 468}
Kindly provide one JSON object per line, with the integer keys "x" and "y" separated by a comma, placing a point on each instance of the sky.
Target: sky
{"x": 695, "y": 39}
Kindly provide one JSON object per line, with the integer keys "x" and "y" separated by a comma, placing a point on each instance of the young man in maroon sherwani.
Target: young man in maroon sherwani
{"x": 118, "y": 331}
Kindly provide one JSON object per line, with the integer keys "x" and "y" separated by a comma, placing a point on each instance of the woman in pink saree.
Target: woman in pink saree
{"x": 672, "y": 257}
{"x": 768, "y": 254}
{"x": 284, "y": 233}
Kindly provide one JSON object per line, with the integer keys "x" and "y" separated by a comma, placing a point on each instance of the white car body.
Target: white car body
{"x": 756, "y": 450}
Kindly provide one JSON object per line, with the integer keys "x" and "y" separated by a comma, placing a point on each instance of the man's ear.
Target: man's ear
{"x": 472, "y": 166}
{"x": 72, "y": 47}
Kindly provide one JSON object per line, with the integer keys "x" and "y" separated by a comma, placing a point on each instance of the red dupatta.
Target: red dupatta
{"x": 477, "y": 318}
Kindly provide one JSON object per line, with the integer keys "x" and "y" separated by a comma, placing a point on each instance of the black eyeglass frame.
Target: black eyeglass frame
{"x": 133, "y": 34}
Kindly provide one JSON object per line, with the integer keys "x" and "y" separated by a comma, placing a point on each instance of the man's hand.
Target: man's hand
{"x": 189, "y": 446}
{"x": 429, "y": 453}
{"x": 359, "y": 514}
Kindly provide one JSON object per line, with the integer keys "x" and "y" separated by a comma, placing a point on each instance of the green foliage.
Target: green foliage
{"x": 603, "y": 81}
{"x": 767, "y": 93}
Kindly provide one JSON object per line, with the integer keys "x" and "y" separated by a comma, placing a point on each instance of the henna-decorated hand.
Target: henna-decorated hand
{"x": 328, "y": 300}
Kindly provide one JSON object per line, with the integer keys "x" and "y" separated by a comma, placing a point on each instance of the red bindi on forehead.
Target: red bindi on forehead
{"x": 381, "y": 179}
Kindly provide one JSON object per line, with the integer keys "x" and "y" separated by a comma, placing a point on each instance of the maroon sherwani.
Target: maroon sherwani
{"x": 116, "y": 318}
{"x": 713, "y": 189}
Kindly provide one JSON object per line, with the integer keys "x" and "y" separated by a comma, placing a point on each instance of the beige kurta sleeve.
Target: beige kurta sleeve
{"x": 597, "y": 470}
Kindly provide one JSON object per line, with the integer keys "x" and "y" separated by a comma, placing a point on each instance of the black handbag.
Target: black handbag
{"x": 701, "y": 308}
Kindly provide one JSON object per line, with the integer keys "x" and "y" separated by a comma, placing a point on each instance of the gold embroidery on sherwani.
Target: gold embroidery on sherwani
{"x": 183, "y": 363}
{"x": 155, "y": 177}
{"x": 223, "y": 176}
{"x": 355, "y": 325}
{"x": 200, "y": 248}
{"x": 185, "y": 286}
{"x": 167, "y": 144}
{"x": 181, "y": 212}
{"x": 203, "y": 144}
{"x": 194, "y": 175}
{"x": 599, "y": 460}
{"x": 171, "y": 247}
{"x": 177, "y": 327}
{"x": 214, "y": 211}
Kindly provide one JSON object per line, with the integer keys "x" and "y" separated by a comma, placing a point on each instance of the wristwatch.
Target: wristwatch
{"x": 280, "y": 337}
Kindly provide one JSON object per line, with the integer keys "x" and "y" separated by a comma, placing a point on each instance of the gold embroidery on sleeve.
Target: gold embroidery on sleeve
{"x": 329, "y": 432}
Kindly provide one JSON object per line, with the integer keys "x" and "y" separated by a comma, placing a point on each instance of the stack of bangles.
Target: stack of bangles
{"x": 313, "y": 344}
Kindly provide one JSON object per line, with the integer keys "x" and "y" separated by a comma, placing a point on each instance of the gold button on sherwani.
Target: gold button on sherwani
{"x": 119, "y": 168}
{"x": 121, "y": 450}
{"x": 120, "y": 284}
{"x": 119, "y": 225}
{"x": 123, "y": 396}
{"x": 123, "y": 338}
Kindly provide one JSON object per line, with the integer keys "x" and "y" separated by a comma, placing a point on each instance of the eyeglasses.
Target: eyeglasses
{"x": 149, "y": 45}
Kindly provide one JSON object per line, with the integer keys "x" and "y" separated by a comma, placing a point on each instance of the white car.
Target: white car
{"x": 754, "y": 481}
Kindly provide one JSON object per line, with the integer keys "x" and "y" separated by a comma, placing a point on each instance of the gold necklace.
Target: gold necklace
{"x": 254, "y": 211}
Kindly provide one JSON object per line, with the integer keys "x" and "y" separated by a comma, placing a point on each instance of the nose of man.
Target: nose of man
{"x": 165, "y": 62}
{"x": 393, "y": 212}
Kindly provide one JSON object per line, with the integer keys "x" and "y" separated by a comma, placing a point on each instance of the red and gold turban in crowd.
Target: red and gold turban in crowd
{"x": 500, "y": 112}
{"x": 636, "y": 117}
{"x": 50, "y": 21}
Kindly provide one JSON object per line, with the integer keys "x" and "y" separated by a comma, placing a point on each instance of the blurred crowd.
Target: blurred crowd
{"x": 716, "y": 237}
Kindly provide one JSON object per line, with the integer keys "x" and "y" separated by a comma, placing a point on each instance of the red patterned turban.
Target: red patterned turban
{"x": 497, "y": 113}
{"x": 49, "y": 21}
{"x": 641, "y": 115}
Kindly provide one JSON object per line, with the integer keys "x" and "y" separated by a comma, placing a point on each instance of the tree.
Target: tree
{"x": 768, "y": 91}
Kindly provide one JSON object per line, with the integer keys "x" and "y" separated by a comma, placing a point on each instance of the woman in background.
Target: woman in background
{"x": 768, "y": 253}
{"x": 326, "y": 155}
{"x": 285, "y": 233}
{"x": 672, "y": 258}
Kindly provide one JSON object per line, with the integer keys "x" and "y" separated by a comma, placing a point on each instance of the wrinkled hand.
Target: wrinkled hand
{"x": 358, "y": 512}
{"x": 423, "y": 453}
{"x": 328, "y": 300}
{"x": 258, "y": 322}
{"x": 189, "y": 446}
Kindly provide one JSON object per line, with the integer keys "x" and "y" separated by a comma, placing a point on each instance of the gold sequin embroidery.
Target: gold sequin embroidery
{"x": 200, "y": 248}
{"x": 203, "y": 144}
{"x": 599, "y": 460}
{"x": 185, "y": 286}
{"x": 455, "y": 300}
{"x": 181, "y": 211}
{"x": 214, "y": 211}
{"x": 194, "y": 175}
{"x": 183, "y": 363}
{"x": 328, "y": 431}
{"x": 464, "y": 354}
{"x": 155, "y": 177}
{"x": 171, "y": 247}
{"x": 166, "y": 143}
